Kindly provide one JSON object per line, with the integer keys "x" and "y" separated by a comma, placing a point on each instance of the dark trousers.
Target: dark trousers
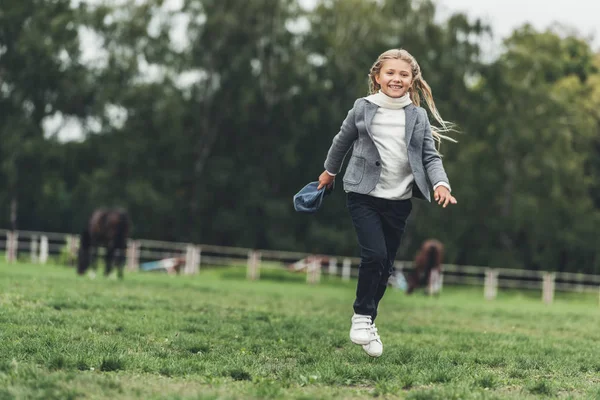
{"x": 379, "y": 225}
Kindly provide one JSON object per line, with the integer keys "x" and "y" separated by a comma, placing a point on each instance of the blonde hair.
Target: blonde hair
{"x": 418, "y": 85}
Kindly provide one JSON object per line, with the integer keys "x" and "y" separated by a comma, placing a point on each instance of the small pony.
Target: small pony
{"x": 427, "y": 267}
{"x": 108, "y": 228}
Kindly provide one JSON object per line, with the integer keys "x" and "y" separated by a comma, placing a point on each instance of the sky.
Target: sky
{"x": 506, "y": 15}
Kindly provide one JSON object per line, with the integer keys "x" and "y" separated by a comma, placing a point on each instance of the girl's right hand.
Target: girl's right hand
{"x": 325, "y": 180}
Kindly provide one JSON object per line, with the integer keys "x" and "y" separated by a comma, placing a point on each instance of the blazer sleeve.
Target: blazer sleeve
{"x": 342, "y": 142}
{"x": 431, "y": 158}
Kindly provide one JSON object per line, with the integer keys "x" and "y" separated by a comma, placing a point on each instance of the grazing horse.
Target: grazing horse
{"x": 428, "y": 264}
{"x": 108, "y": 228}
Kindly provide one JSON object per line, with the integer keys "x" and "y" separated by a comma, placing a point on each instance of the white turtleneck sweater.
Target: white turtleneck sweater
{"x": 388, "y": 130}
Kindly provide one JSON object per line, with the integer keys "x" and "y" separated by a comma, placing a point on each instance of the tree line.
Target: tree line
{"x": 204, "y": 117}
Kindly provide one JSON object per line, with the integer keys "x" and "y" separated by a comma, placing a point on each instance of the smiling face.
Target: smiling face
{"x": 395, "y": 77}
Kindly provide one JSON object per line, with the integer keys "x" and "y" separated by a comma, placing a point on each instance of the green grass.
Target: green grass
{"x": 217, "y": 335}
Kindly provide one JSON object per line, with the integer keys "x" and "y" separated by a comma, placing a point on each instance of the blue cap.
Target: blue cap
{"x": 309, "y": 199}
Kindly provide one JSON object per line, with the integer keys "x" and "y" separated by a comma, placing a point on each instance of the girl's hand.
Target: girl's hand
{"x": 442, "y": 196}
{"x": 325, "y": 180}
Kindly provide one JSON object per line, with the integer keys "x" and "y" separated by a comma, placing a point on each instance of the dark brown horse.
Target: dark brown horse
{"x": 107, "y": 228}
{"x": 428, "y": 260}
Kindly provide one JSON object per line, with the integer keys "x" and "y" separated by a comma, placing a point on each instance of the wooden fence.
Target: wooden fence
{"x": 38, "y": 247}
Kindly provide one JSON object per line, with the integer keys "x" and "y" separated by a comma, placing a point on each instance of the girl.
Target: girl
{"x": 393, "y": 158}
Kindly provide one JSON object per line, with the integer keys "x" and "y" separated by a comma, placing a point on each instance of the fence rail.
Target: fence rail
{"x": 39, "y": 246}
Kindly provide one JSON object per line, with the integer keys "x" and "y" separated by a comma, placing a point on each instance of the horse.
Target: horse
{"x": 427, "y": 266}
{"x": 108, "y": 228}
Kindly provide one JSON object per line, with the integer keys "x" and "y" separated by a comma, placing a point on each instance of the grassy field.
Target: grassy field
{"x": 217, "y": 335}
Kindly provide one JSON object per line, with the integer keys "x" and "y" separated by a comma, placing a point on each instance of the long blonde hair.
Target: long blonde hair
{"x": 418, "y": 85}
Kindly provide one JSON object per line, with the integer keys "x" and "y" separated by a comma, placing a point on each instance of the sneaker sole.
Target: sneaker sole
{"x": 360, "y": 342}
{"x": 372, "y": 355}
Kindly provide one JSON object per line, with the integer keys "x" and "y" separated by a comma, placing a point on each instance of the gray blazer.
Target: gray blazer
{"x": 364, "y": 167}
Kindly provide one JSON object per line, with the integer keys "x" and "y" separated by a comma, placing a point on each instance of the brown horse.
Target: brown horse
{"x": 428, "y": 260}
{"x": 108, "y": 228}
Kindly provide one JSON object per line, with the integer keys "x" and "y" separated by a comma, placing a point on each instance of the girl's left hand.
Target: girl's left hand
{"x": 442, "y": 196}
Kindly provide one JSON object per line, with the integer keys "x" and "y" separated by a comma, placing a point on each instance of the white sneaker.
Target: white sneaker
{"x": 374, "y": 348}
{"x": 360, "y": 331}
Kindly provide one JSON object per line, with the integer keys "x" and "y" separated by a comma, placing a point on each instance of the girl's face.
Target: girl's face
{"x": 395, "y": 77}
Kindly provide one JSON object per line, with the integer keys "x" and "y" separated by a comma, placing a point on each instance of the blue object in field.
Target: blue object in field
{"x": 309, "y": 199}
{"x": 400, "y": 281}
{"x": 152, "y": 265}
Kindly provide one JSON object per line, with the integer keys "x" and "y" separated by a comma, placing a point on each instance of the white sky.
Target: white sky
{"x": 506, "y": 15}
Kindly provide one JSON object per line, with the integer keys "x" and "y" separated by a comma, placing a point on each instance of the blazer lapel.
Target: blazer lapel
{"x": 370, "y": 111}
{"x": 410, "y": 113}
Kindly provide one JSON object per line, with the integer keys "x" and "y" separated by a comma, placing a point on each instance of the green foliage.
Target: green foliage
{"x": 237, "y": 113}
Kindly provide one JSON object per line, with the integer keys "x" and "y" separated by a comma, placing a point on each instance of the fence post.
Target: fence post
{"x": 133, "y": 255}
{"x": 189, "y": 259}
{"x": 250, "y": 268}
{"x": 12, "y": 245}
{"x": 313, "y": 270}
{"x": 33, "y": 249}
{"x": 346, "y": 265}
{"x": 332, "y": 266}
{"x": 44, "y": 249}
{"x": 72, "y": 246}
{"x": 548, "y": 287}
{"x": 436, "y": 279}
{"x": 253, "y": 271}
{"x": 192, "y": 260}
{"x": 490, "y": 289}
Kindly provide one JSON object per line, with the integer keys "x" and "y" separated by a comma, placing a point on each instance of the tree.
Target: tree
{"x": 522, "y": 179}
{"x": 40, "y": 75}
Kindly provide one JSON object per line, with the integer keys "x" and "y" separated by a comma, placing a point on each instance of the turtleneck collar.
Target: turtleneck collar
{"x": 383, "y": 100}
